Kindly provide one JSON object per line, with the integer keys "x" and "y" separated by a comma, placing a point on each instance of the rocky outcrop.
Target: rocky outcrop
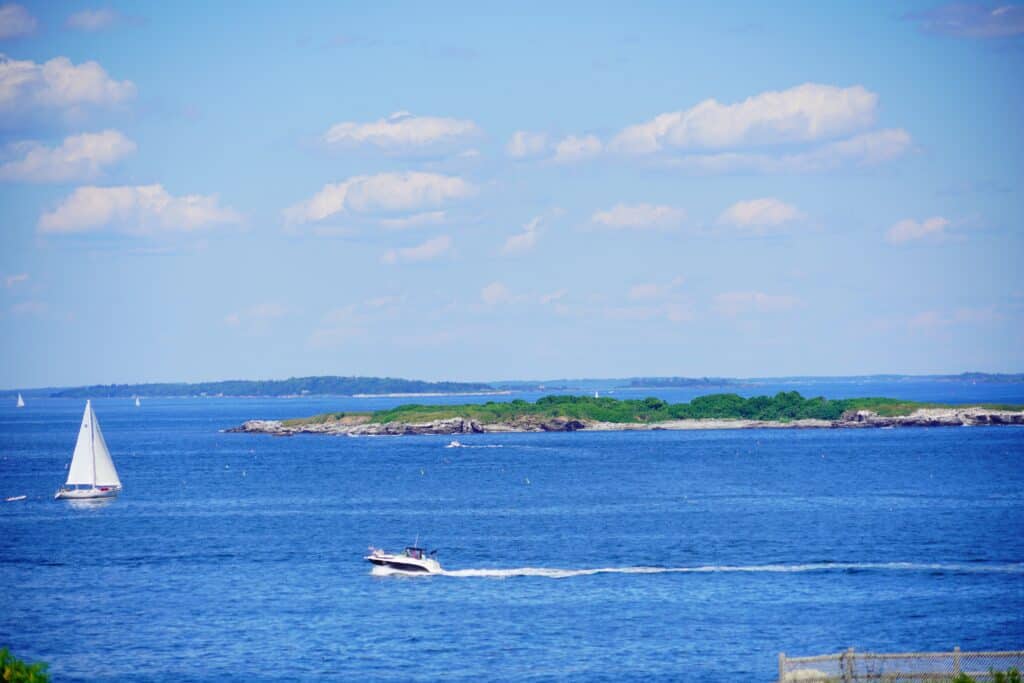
{"x": 925, "y": 417}
{"x": 932, "y": 417}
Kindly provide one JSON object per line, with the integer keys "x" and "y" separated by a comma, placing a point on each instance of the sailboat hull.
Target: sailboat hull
{"x": 83, "y": 494}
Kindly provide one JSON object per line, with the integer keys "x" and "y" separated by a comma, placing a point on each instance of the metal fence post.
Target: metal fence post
{"x": 782, "y": 667}
{"x": 956, "y": 661}
{"x": 848, "y": 666}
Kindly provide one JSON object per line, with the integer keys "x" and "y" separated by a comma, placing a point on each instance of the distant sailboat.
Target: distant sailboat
{"x": 137, "y": 404}
{"x": 597, "y": 395}
{"x": 91, "y": 465}
{"x": 21, "y": 401}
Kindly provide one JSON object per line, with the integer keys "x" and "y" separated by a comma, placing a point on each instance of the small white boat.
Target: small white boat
{"x": 454, "y": 444}
{"x": 15, "y": 499}
{"x": 91, "y": 473}
{"x": 413, "y": 559}
{"x": 137, "y": 404}
{"x": 21, "y": 401}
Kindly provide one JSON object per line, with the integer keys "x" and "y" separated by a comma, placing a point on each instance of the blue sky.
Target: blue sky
{"x": 452, "y": 191}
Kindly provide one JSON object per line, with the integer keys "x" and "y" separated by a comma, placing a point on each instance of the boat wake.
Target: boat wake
{"x": 552, "y": 573}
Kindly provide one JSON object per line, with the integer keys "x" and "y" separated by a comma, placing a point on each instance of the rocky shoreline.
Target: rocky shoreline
{"x": 859, "y": 419}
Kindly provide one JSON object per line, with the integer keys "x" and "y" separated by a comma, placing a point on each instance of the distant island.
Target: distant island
{"x": 384, "y": 386}
{"x": 573, "y": 413}
{"x": 295, "y": 386}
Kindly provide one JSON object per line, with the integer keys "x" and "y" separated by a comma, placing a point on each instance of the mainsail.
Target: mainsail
{"x": 21, "y": 401}
{"x": 91, "y": 463}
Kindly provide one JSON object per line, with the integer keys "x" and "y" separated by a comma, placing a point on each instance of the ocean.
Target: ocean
{"x": 618, "y": 556}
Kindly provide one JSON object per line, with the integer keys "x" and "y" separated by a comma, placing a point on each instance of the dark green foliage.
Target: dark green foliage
{"x": 784, "y": 406}
{"x": 16, "y": 671}
{"x": 1008, "y": 676}
{"x": 340, "y": 386}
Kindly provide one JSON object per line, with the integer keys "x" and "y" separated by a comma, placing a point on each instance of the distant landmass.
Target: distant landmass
{"x": 295, "y": 386}
{"x": 376, "y": 386}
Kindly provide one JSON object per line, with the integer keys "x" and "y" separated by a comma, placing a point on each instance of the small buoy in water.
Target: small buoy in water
{"x": 422, "y": 473}
{"x": 527, "y": 480}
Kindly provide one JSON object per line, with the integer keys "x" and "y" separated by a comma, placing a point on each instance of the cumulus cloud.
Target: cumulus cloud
{"x": 409, "y": 191}
{"x": 427, "y": 251}
{"x": 572, "y": 149}
{"x": 639, "y": 217}
{"x": 524, "y": 144}
{"x": 653, "y": 290}
{"x": 16, "y": 21}
{"x": 401, "y": 131}
{"x": 495, "y": 293}
{"x": 79, "y": 157}
{"x": 92, "y": 19}
{"x": 18, "y": 278}
{"x": 972, "y": 20}
{"x": 143, "y": 209}
{"x": 414, "y": 220}
{"x": 759, "y": 216}
{"x": 801, "y": 114}
{"x": 553, "y": 297}
{"x": 524, "y": 241}
{"x": 866, "y": 149}
{"x": 909, "y": 230}
{"x": 737, "y": 303}
{"x": 58, "y": 84}
{"x": 256, "y": 316}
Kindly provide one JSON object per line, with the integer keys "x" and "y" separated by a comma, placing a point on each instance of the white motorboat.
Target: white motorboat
{"x": 413, "y": 560}
{"x": 454, "y": 444}
{"x": 91, "y": 466}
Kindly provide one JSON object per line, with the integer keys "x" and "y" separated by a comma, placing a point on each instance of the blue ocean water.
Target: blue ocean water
{"x": 611, "y": 556}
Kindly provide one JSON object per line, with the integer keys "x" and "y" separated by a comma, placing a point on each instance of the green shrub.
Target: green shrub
{"x": 16, "y": 671}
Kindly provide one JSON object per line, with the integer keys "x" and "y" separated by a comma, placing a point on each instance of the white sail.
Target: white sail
{"x": 106, "y": 474}
{"x": 137, "y": 404}
{"x": 83, "y": 468}
{"x": 21, "y": 401}
{"x": 91, "y": 464}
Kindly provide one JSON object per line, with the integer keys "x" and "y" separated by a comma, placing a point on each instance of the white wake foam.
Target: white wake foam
{"x": 552, "y": 573}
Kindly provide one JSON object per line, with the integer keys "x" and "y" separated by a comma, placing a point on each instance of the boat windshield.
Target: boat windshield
{"x": 415, "y": 553}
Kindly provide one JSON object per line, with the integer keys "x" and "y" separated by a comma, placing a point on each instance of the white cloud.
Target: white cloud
{"x": 58, "y": 84}
{"x": 401, "y": 131}
{"x": 574, "y": 148}
{"x": 29, "y": 308}
{"x": 139, "y": 209}
{"x": 524, "y": 144}
{"x": 337, "y": 326}
{"x": 427, "y": 251}
{"x": 495, "y": 293}
{"x": 653, "y": 290}
{"x": 909, "y": 230}
{"x": 92, "y": 19}
{"x": 414, "y": 220}
{"x": 737, "y": 303}
{"x": 522, "y": 242}
{"x": 409, "y": 191}
{"x": 79, "y": 157}
{"x": 801, "y": 114}
{"x": 639, "y": 217}
{"x": 552, "y": 297}
{"x": 16, "y": 21}
{"x": 257, "y": 316}
{"x": 866, "y": 149}
{"x": 758, "y": 216}
{"x": 973, "y": 20}
{"x": 18, "y": 278}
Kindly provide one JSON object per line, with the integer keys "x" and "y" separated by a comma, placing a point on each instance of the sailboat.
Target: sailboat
{"x": 137, "y": 404}
{"x": 21, "y": 401}
{"x": 91, "y": 467}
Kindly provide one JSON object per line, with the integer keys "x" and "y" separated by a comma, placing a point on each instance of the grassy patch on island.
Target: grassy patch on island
{"x": 784, "y": 406}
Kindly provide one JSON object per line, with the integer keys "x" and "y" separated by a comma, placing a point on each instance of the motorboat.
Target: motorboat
{"x": 413, "y": 560}
{"x": 454, "y": 444}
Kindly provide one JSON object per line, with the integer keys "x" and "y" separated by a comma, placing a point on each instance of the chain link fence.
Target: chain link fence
{"x": 852, "y": 666}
